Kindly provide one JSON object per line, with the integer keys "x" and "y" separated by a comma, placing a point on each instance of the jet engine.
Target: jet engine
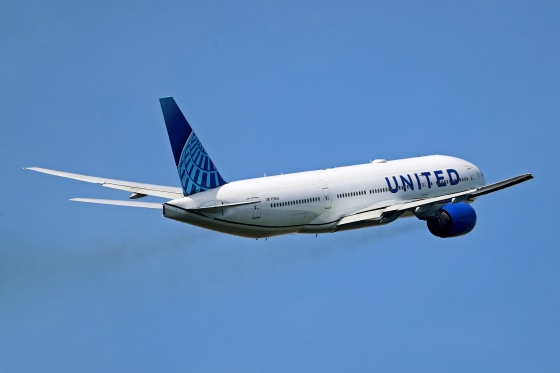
{"x": 452, "y": 220}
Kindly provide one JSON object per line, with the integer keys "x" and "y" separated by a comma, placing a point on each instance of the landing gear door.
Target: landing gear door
{"x": 327, "y": 196}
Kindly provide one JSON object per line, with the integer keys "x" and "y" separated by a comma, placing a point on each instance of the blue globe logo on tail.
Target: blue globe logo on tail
{"x": 196, "y": 170}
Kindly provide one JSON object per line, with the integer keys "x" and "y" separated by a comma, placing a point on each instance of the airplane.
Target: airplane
{"x": 437, "y": 189}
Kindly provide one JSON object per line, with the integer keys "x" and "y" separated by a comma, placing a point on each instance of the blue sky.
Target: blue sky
{"x": 276, "y": 87}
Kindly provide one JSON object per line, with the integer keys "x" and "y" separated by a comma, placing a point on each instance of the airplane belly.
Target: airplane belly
{"x": 238, "y": 223}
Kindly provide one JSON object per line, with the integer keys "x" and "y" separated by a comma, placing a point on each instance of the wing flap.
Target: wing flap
{"x": 130, "y": 186}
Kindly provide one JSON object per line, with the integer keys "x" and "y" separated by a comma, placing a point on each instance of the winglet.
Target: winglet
{"x": 196, "y": 170}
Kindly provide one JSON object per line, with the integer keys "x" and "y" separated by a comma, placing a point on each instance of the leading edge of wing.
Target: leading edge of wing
{"x": 140, "y": 188}
{"x": 376, "y": 211}
{"x": 490, "y": 188}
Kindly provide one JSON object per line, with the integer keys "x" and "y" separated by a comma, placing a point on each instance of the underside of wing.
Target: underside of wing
{"x": 138, "y": 189}
{"x": 424, "y": 208}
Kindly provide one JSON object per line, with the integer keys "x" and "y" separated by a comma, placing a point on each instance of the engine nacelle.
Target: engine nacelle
{"x": 452, "y": 220}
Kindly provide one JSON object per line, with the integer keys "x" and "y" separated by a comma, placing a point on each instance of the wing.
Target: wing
{"x": 138, "y": 189}
{"x": 427, "y": 206}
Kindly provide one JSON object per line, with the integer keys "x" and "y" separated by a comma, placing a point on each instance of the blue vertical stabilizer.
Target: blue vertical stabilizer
{"x": 196, "y": 170}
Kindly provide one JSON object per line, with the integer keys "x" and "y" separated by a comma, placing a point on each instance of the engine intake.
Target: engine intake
{"x": 453, "y": 220}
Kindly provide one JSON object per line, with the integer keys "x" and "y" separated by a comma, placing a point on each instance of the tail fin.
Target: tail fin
{"x": 196, "y": 170}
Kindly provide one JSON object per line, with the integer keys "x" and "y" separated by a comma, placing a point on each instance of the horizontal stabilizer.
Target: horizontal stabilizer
{"x": 146, "y": 205}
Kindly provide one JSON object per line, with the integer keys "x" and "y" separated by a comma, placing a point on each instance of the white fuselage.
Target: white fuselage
{"x": 315, "y": 201}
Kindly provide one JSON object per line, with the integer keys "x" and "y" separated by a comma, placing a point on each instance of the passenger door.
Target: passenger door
{"x": 327, "y": 196}
{"x": 256, "y": 208}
